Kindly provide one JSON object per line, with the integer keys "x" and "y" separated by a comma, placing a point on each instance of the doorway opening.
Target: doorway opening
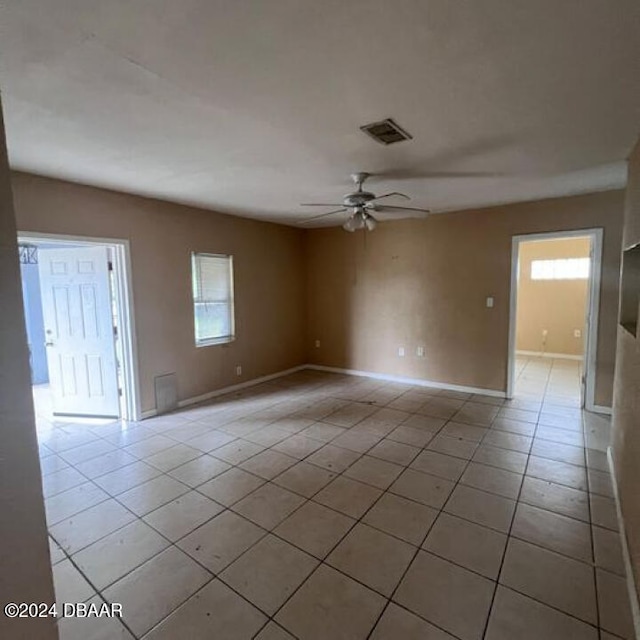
{"x": 79, "y": 317}
{"x": 555, "y": 289}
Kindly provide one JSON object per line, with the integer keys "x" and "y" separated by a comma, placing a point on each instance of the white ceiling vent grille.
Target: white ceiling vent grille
{"x": 386, "y": 132}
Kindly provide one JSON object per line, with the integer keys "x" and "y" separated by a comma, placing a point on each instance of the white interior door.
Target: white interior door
{"x": 78, "y": 323}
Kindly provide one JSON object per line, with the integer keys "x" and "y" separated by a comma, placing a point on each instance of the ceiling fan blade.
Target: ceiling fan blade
{"x": 475, "y": 148}
{"x": 322, "y": 215}
{"x": 392, "y": 193}
{"x": 385, "y": 208}
{"x": 416, "y": 174}
{"x": 444, "y": 162}
{"x": 322, "y": 204}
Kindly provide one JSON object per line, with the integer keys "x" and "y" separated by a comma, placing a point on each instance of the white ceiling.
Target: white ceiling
{"x": 253, "y": 106}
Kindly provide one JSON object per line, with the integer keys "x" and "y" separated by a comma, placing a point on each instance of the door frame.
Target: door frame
{"x": 593, "y": 308}
{"x": 121, "y": 250}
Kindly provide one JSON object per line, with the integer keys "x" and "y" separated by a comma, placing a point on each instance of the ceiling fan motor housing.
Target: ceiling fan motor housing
{"x": 358, "y": 198}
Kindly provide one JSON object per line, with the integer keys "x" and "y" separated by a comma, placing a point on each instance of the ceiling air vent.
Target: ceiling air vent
{"x": 386, "y": 132}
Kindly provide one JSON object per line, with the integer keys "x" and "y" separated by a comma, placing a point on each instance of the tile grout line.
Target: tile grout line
{"x": 420, "y": 547}
{"x": 214, "y": 576}
{"x": 217, "y": 575}
{"x": 498, "y": 583}
{"x": 323, "y": 561}
{"x": 591, "y": 538}
{"x": 265, "y": 481}
{"x": 232, "y": 465}
{"x": 298, "y": 460}
{"x": 506, "y": 546}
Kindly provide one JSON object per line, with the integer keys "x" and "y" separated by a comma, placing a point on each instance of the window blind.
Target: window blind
{"x": 212, "y": 279}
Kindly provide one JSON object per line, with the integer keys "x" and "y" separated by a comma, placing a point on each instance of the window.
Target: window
{"x": 212, "y": 277}
{"x": 562, "y": 269}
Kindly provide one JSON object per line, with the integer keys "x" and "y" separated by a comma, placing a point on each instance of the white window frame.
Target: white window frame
{"x": 207, "y": 342}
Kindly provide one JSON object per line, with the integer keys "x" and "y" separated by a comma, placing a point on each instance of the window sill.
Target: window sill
{"x": 215, "y": 341}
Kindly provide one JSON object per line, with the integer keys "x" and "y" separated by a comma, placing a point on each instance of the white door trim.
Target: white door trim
{"x": 593, "y": 311}
{"x": 125, "y": 307}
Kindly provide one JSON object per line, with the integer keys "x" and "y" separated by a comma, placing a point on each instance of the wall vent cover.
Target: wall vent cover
{"x": 386, "y": 131}
{"x": 166, "y": 388}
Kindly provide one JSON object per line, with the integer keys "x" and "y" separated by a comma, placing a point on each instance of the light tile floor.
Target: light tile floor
{"x": 326, "y": 506}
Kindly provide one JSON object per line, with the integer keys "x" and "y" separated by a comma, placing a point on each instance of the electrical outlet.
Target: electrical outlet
{"x": 420, "y": 352}
{"x": 490, "y": 302}
{"x": 317, "y": 344}
{"x": 238, "y": 370}
{"x": 401, "y": 352}
{"x": 577, "y": 333}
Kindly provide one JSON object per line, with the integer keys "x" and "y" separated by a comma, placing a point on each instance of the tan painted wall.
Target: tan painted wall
{"x": 424, "y": 282}
{"x": 268, "y": 274}
{"x": 25, "y": 569}
{"x": 557, "y": 306}
{"x": 626, "y": 408}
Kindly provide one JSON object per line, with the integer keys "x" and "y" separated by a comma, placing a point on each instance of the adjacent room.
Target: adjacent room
{"x": 319, "y": 320}
{"x": 553, "y": 316}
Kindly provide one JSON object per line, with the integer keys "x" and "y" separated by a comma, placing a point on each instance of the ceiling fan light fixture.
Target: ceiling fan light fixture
{"x": 359, "y": 220}
{"x": 370, "y": 222}
{"x": 350, "y": 225}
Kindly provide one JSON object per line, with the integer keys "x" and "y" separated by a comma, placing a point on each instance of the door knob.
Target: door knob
{"x": 48, "y": 344}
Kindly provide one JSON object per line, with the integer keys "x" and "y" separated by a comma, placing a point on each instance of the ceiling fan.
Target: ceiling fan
{"x": 362, "y": 204}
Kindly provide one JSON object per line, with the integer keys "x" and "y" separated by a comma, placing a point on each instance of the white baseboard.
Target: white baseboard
{"x": 631, "y": 583}
{"x": 418, "y": 382}
{"x": 239, "y": 386}
{"x": 545, "y": 354}
{"x": 224, "y": 390}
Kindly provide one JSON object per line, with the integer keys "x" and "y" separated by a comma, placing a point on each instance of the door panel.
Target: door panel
{"x": 76, "y": 300}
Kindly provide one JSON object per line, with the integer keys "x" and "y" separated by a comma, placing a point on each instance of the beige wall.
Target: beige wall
{"x": 268, "y": 275}
{"x": 25, "y": 570}
{"x": 424, "y": 282}
{"x": 626, "y": 410}
{"x": 557, "y": 306}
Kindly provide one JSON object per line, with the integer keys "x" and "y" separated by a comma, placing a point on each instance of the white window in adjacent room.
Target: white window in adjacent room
{"x": 560, "y": 269}
{"x": 212, "y": 277}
